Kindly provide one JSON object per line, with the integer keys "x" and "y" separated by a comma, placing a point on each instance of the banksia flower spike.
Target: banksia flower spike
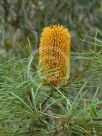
{"x": 54, "y": 54}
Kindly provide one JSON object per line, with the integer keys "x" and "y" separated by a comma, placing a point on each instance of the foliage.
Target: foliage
{"x": 29, "y": 107}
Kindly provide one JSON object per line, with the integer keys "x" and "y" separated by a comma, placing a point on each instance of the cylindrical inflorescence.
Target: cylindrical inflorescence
{"x": 54, "y": 54}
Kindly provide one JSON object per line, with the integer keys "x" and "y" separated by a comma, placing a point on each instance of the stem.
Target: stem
{"x": 47, "y": 98}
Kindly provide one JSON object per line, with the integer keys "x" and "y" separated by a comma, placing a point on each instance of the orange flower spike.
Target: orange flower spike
{"x": 54, "y": 54}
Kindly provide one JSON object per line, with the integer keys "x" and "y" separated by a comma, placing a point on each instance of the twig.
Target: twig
{"x": 47, "y": 98}
{"x": 56, "y": 130}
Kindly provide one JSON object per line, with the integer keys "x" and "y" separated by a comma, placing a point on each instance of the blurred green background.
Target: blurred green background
{"x": 21, "y": 20}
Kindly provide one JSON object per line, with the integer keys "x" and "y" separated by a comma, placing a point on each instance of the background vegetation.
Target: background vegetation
{"x": 27, "y": 106}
